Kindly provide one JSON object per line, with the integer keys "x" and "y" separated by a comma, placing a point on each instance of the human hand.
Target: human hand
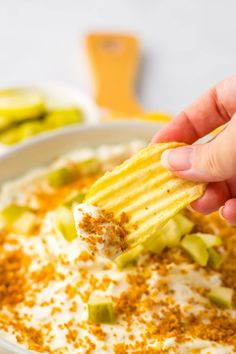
{"x": 214, "y": 161}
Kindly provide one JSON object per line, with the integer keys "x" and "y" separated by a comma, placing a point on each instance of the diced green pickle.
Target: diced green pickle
{"x": 215, "y": 258}
{"x": 61, "y": 177}
{"x": 169, "y": 235}
{"x": 88, "y": 167}
{"x": 12, "y": 212}
{"x": 221, "y": 296}
{"x": 128, "y": 257}
{"x": 19, "y": 218}
{"x": 74, "y": 197}
{"x": 100, "y": 309}
{"x": 155, "y": 243}
{"x": 25, "y": 224}
{"x": 185, "y": 225}
{"x": 210, "y": 240}
{"x": 64, "y": 223}
{"x": 196, "y": 248}
{"x": 175, "y": 229}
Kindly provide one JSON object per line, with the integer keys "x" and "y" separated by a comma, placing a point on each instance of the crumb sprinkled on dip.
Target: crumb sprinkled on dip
{"x": 100, "y": 231}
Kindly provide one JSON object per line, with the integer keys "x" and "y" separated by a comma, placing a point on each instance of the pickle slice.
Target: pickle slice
{"x": 221, "y": 296}
{"x": 28, "y": 129}
{"x": 100, "y": 309}
{"x": 64, "y": 223}
{"x": 64, "y": 116}
{"x": 10, "y": 136}
{"x": 196, "y": 249}
{"x": 215, "y": 258}
{"x": 128, "y": 257}
{"x": 61, "y": 177}
{"x": 210, "y": 240}
{"x": 5, "y": 122}
{"x": 21, "y": 104}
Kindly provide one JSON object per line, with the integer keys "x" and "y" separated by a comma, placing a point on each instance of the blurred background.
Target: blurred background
{"x": 187, "y": 45}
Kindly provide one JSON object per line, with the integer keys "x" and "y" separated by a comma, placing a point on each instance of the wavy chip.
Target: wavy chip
{"x": 144, "y": 190}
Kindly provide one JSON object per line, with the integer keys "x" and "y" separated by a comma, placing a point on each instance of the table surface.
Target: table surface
{"x": 187, "y": 45}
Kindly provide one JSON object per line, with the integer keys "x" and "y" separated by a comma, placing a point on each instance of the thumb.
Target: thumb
{"x": 210, "y": 162}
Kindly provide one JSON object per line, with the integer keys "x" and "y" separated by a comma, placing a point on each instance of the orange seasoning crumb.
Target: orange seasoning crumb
{"x": 103, "y": 233}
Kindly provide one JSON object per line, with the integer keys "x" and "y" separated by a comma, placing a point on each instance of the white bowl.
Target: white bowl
{"x": 42, "y": 149}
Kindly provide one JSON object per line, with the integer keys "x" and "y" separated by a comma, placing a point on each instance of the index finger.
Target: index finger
{"x": 211, "y": 110}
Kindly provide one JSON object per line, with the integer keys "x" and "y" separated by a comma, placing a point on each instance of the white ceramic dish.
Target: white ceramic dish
{"x": 42, "y": 149}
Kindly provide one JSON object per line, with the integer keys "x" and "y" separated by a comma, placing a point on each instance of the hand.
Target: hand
{"x": 214, "y": 161}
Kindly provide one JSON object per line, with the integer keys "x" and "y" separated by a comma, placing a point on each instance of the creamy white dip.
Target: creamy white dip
{"x": 60, "y": 277}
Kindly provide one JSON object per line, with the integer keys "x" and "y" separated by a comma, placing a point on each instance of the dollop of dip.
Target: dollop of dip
{"x": 100, "y": 232}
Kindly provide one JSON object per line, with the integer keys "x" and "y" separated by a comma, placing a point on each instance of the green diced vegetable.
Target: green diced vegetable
{"x": 169, "y": 235}
{"x": 88, "y": 166}
{"x": 100, "y": 309}
{"x": 19, "y": 218}
{"x": 61, "y": 177}
{"x": 128, "y": 257}
{"x": 25, "y": 224}
{"x": 74, "y": 197}
{"x": 221, "y": 296}
{"x": 175, "y": 229}
{"x": 215, "y": 258}
{"x": 64, "y": 223}
{"x": 210, "y": 240}
{"x": 155, "y": 243}
{"x": 196, "y": 248}
{"x": 12, "y": 212}
{"x": 185, "y": 225}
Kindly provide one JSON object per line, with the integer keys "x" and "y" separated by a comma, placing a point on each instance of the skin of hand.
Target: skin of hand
{"x": 213, "y": 162}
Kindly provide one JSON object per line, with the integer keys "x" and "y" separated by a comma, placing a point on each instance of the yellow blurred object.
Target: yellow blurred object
{"x": 18, "y": 104}
{"x": 114, "y": 60}
{"x": 156, "y": 117}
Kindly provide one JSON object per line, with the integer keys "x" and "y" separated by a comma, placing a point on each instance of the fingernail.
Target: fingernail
{"x": 221, "y": 210}
{"x": 179, "y": 159}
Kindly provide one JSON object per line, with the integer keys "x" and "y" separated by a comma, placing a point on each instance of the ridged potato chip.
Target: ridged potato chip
{"x": 145, "y": 191}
